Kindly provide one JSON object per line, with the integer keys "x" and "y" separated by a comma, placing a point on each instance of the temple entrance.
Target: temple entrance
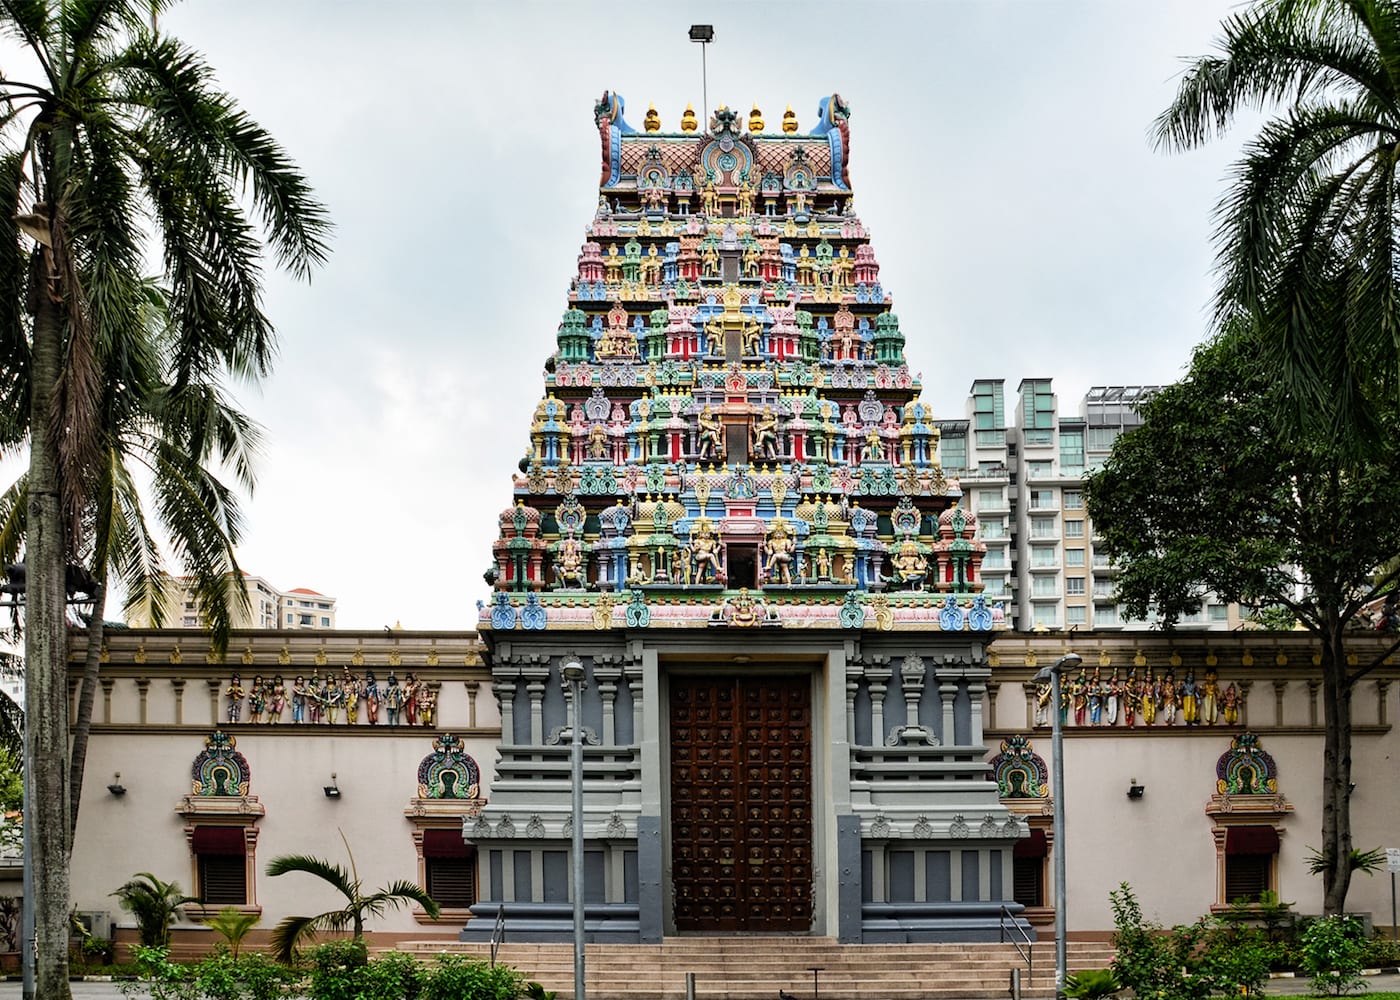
{"x": 741, "y": 802}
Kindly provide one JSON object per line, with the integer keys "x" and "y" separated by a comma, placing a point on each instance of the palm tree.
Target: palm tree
{"x": 1307, "y": 243}
{"x": 1308, "y": 247}
{"x": 121, "y": 149}
{"x": 154, "y": 904}
{"x": 288, "y": 934}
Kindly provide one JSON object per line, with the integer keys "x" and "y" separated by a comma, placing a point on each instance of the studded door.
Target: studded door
{"x": 741, "y": 803}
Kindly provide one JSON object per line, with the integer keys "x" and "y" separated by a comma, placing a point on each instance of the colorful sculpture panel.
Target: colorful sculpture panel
{"x": 729, "y": 428}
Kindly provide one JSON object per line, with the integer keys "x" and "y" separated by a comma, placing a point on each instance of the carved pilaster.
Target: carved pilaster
{"x": 1279, "y": 688}
{"x": 107, "y": 683}
{"x": 1382, "y": 708}
{"x": 536, "y": 677}
{"x": 214, "y": 684}
{"x": 1313, "y": 686}
{"x": 473, "y": 687}
{"x": 948, "y": 691}
{"x": 607, "y": 674}
{"x": 977, "y": 690}
{"x": 504, "y": 689}
{"x": 993, "y": 688}
{"x": 143, "y": 690}
{"x": 878, "y": 674}
{"x": 1244, "y": 687}
{"x": 178, "y": 684}
{"x": 1030, "y": 689}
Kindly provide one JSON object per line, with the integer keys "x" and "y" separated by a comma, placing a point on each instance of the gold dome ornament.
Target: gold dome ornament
{"x": 755, "y": 119}
{"x": 689, "y": 123}
{"x": 789, "y": 120}
{"x": 652, "y": 122}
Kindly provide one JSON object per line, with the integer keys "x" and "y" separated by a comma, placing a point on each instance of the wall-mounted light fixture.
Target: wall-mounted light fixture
{"x": 116, "y": 787}
{"x": 332, "y": 790}
{"x": 1135, "y": 790}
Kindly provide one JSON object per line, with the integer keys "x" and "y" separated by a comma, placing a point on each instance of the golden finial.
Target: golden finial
{"x": 652, "y": 122}
{"x": 789, "y": 120}
{"x": 689, "y": 123}
{"x": 755, "y": 119}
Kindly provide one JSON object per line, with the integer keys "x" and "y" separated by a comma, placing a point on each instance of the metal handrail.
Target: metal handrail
{"x": 1026, "y": 953}
{"x": 498, "y": 933}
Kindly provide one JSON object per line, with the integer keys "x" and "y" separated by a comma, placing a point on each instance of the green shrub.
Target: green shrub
{"x": 246, "y": 977}
{"x": 1092, "y": 984}
{"x": 457, "y": 977}
{"x": 338, "y": 970}
{"x": 160, "y": 978}
{"x": 1332, "y": 952}
{"x": 394, "y": 976}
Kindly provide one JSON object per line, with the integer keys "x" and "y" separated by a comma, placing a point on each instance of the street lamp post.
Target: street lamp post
{"x": 1052, "y": 673}
{"x": 704, "y": 34}
{"x": 572, "y": 672}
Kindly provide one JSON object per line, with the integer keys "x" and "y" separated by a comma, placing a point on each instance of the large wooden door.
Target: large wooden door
{"x": 741, "y": 802}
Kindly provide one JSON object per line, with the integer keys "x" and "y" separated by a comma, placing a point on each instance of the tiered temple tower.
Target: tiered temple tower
{"x": 732, "y": 515}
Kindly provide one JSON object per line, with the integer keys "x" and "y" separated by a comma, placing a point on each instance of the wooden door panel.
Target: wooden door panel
{"x": 741, "y": 795}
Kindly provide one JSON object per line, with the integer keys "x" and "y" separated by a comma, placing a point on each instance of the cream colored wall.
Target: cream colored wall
{"x": 377, "y": 777}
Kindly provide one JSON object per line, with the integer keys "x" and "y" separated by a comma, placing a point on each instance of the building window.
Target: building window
{"x": 221, "y": 865}
{"x": 1074, "y": 499}
{"x": 325, "y": 622}
{"x": 1074, "y": 529}
{"x": 989, "y": 500}
{"x": 449, "y": 868}
{"x": 1250, "y": 856}
{"x": 1042, "y": 527}
{"x": 987, "y": 407}
{"x": 1028, "y": 869}
{"x": 1074, "y": 614}
{"x": 1071, "y": 453}
{"x": 1043, "y": 556}
{"x": 1042, "y": 499}
{"x": 1219, "y": 612}
{"x": 994, "y": 528}
{"x": 1044, "y": 586}
{"x": 1040, "y": 469}
{"x": 1074, "y": 585}
{"x": 1074, "y": 557}
{"x": 954, "y": 454}
{"x": 1102, "y": 438}
{"x": 1104, "y": 617}
{"x": 1046, "y": 615}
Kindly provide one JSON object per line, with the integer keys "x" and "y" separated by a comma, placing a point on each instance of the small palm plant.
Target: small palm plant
{"x": 288, "y": 934}
{"x": 233, "y": 924}
{"x": 154, "y": 904}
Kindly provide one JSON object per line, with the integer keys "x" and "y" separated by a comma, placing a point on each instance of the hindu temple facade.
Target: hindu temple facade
{"x": 731, "y": 513}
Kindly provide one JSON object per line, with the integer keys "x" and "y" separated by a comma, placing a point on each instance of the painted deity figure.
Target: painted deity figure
{"x": 704, "y": 553}
{"x": 568, "y": 568}
{"x": 1095, "y": 692}
{"x": 1147, "y": 699}
{"x": 709, "y": 199}
{"x": 745, "y": 198}
{"x": 393, "y": 699}
{"x": 1042, "y": 703}
{"x": 257, "y": 700}
{"x": 411, "y": 690}
{"x": 278, "y": 702}
{"x": 1167, "y": 696}
{"x": 353, "y": 690}
{"x": 1113, "y": 697}
{"x": 235, "y": 692}
{"x": 1079, "y": 691}
{"x": 873, "y": 450}
{"x": 1130, "y": 699}
{"x": 1190, "y": 696}
{"x": 371, "y": 698}
{"x": 711, "y": 436}
{"x": 823, "y": 564}
{"x": 1230, "y": 705}
{"x": 910, "y": 564}
{"x": 597, "y": 442}
{"x": 763, "y": 437}
{"x": 335, "y": 699}
{"x": 779, "y": 549}
{"x": 427, "y": 706}
{"x": 1210, "y": 699}
{"x": 751, "y": 258}
{"x": 316, "y": 698}
{"x": 299, "y": 695}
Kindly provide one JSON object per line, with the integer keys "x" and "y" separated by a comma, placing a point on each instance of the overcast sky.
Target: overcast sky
{"x": 999, "y": 154}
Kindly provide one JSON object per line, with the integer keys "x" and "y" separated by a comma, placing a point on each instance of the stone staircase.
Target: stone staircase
{"x": 758, "y": 967}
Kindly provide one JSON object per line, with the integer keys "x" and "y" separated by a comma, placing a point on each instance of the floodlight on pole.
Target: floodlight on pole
{"x": 1052, "y": 673}
{"x": 704, "y": 34}
{"x": 571, "y": 671}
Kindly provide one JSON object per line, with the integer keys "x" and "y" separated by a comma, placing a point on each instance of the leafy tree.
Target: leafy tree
{"x": 1213, "y": 492}
{"x": 154, "y": 904}
{"x": 1308, "y": 244}
{"x": 289, "y": 934}
{"x": 120, "y": 149}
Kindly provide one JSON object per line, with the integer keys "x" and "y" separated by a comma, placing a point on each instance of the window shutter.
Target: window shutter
{"x": 451, "y": 881}
{"x": 223, "y": 880}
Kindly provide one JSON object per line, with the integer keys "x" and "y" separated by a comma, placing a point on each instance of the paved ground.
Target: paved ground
{"x": 1389, "y": 983}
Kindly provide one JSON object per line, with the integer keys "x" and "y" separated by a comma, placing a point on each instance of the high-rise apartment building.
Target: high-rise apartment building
{"x": 1023, "y": 475}
{"x": 268, "y": 607}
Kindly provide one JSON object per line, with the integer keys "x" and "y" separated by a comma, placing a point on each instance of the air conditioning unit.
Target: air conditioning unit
{"x": 97, "y": 922}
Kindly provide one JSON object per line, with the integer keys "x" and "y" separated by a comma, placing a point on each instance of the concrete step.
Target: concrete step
{"x": 756, "y": 968}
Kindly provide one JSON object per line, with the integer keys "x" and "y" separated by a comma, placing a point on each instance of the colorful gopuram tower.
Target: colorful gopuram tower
{"x": 732, "y": 515}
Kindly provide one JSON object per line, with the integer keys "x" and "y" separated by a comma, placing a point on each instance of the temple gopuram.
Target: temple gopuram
{"x": 732, "y": 514}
